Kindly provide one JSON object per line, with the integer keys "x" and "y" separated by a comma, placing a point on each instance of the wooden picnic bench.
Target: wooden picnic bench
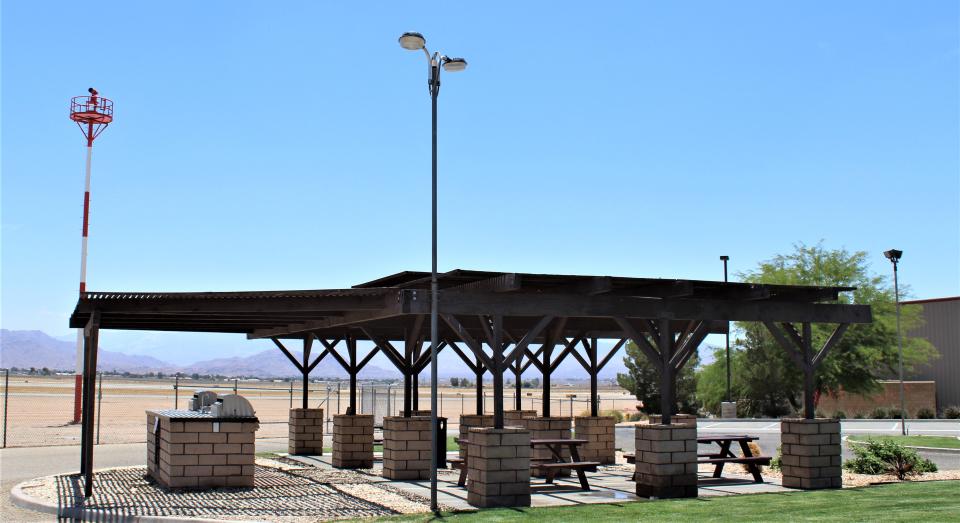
{"x": 725, "y": 455}
{"x": 552, "y": 465}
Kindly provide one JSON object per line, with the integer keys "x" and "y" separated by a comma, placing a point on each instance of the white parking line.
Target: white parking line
{"x": 772, "y": 425}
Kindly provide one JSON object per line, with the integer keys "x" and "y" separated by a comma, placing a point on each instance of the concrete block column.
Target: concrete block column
{"x": 517, "y": 418}
{"x": 185, "y": 450}
{"x": 468, "y": 421}
{"x": 306, "y": 432}
{"x": 728, "y": 409}
{"x": 499, "y": 467}
{"x": 353, "y": 441}
{"x": 666, "y": 461}
{"x": 599, "y": 431}
{"x": 811, "y": 453}
{"x": 553, "y": 427}
{"x": 406, "y": 447}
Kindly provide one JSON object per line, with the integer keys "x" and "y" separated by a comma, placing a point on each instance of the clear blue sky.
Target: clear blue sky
{"x": 286, "y": 145}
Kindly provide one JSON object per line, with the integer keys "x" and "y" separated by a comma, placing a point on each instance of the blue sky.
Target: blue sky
{"x": 286, "y": 145}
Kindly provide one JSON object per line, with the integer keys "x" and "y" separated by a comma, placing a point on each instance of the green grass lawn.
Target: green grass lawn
{"x": 910, "y": 502}
{"x": 940, "y": 442}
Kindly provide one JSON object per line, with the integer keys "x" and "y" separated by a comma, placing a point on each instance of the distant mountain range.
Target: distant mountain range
{"x": 25, "y": 349}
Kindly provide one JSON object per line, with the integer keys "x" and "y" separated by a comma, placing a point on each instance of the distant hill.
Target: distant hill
{"x": 25, "y": 349}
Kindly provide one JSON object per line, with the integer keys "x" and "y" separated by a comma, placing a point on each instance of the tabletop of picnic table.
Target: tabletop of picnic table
{"x": 726, "y": 437}
{"x": 558, "y": 441}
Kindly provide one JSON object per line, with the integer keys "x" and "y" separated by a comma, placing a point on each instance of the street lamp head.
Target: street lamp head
{"x": 893, "y": 255}
{"x": 412, "y": 41}
{"x": 454, "y": 65}
{"x": 724, "y": 258}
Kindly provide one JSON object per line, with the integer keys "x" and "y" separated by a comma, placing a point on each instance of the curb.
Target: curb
{"x": 23, "y": 500}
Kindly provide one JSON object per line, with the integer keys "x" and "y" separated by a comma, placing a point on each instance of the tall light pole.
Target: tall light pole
{"x": 725, "y": 259}
{"x": 894, "y": 256}
{"x": 416, "y": 42}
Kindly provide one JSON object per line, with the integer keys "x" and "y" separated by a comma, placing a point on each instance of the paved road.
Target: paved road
{"x": 769, "y": 433}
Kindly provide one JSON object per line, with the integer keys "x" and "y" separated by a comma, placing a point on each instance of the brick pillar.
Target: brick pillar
{"x": 686, "y": 420}
{"x": 499, "y": 467}
{"x": 468, "y": 421}
{"x": 353, "y": 441}
{"x": 306, "y": 432}
{"x": 599, "y": 431}
{"x": 811, "y": 453}
{"x": 666, "y": 461}
{"x": 554, "y": 427}
{"x": 406, "y": 447}
{"x": 200, "y": 453}
{"x": 517, "y": 418}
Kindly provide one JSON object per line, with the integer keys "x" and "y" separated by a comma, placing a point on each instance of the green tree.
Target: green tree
{"x": 766, "y": 381}
{"x": 643, "y": 380}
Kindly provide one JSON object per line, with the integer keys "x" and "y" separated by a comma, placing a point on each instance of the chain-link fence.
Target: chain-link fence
{"x": 38, "y": 410}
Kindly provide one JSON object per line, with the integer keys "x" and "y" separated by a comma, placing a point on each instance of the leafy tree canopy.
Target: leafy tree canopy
{"x": 766, "y": 382}
{"x": 643, "y": 380}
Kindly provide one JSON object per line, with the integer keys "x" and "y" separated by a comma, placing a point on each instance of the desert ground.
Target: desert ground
{"x": 39, "y": 409}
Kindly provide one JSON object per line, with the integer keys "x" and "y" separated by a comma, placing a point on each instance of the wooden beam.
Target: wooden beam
{"x": 473, "y": 368}
{"x": 502, "y": 283}
{"x": 786, "y": 344}
{"x": 287, "y": 354}
{"x": 830, "y": 343}
{"x": 639, "y": 340}
{"x": 367, "y": 358}
{"x": 472, "y": 344}
{"x": 524, "y": 342}
{"x": 607, "y": 306}
{"x": 606, "y": 359}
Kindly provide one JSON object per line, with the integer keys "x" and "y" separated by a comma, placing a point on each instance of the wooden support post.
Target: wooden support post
{"x": 307, "y": 344}
{"x": 352, "y": 354}
{"x": 479, "y": 385}
{"x": 517, "y": 386}
{"x": 667, "y": 383}
{"x": 408, "y": 378}
{"x": 497, "y": 371}
{"x": 594, "y": 371}
{"x": 545, "y": 382}
{"x": 809, "y": 407}
{"x": 92, "y": 339}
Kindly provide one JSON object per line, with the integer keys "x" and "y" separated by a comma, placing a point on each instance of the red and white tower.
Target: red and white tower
{"x": 93, "y": 114}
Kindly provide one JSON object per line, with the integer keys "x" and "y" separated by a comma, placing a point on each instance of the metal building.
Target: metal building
{"x": 942, "y": 329}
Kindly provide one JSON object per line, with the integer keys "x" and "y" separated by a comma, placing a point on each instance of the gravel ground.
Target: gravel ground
{"x": 284, "y": 493}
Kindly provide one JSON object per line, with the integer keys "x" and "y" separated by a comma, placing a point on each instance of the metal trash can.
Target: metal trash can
{"x": 441, "y": 443}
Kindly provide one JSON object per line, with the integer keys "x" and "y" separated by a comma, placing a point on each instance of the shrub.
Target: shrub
{"x": 885, "y": 456}
{"x": 777, "y": 460}
{"x": 616, "y": 414}
{"x": 636, "y": 416}
{"x": 896, "y": 413}
{"x": 952, "y": 412}
{"x": 879, "y": 413}
{"x": 859, "y": 415}
{"x": 840, "y": 414}
{"x": 926, "y": 413}
{"x": 756, "y": 451}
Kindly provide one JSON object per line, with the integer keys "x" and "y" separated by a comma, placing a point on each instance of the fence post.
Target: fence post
{"x": 291, "y": 394}
{"x": 176, "y": 392}
{"x": 6, "y": 403}
{"x": 235, "y": 380}
{"x": 99, "y": 404}
{"x": 326, "y": 405}
{"x": 338, "y": 397}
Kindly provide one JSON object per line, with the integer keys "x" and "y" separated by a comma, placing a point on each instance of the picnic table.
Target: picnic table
{"x": 552, "y": 465}
{"x": 725, "y": 455}
{"x": 559, "y": 463}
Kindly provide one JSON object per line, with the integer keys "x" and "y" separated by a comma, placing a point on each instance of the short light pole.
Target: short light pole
{"x": 894, "y": 256}
{"x": 416, "y": 42}
{"x": 725, "y": 259}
